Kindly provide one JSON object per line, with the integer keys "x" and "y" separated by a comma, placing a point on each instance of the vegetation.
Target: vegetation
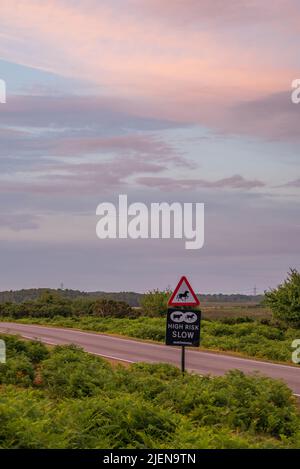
{"x": 31, "y": 294}
{"x": 132, "y": 298}
{"x": 50, "y": 304}
{"x": 65, "y": 398}
{"x": 155, "y": 303}
{"x": 284, "y": 300}
{"x": 248, "y": 329}
{"x": 249, "y": 338}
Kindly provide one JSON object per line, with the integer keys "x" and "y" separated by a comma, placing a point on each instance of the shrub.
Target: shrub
{"x": 284, "y": 301}
{"x": 34, "y": 351}
{"x": 18, "y": 371}
{"x": 70, "y": 372}
{"x": 119, "y": 422}
{"x": 155, "y": 302}
{"x": 249, "y": 403}
{"x": 28, "y": 420}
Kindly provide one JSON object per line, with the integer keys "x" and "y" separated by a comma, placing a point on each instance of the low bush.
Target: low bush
{"x": 19, "y": 371}
{"x": 34, "y": 351}
{"x": 70, "y": 372}
{"x": 254, "y": 403}
{"x": 22, "y": 357}
{"x": 117, "y": 422}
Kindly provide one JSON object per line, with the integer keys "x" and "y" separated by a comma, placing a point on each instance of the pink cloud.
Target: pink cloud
{"x": 83, "y": 178}
{"x": 134, "y": 55}
{"x": 171, "y": 184}
{"x": 139, "y": 145}
{"x": 231, "y": 12}
{"x": 146, "y": 54}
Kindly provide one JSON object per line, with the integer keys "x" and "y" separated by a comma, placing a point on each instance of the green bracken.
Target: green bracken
{"x": 66, "y": 398}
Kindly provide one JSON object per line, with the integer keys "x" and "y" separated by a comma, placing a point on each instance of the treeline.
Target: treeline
{"x": 51, "y": 304}
{"x": 132, "y": 298}
{"x": 19, "y": 296}
{"x": 234, "y": 298}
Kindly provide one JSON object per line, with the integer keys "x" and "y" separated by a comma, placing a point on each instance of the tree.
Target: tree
{"x": 284, "y": 301}
{"x": 155, "y": 302}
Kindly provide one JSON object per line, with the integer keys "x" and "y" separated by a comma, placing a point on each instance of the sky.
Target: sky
{"x": 163, "y": 101}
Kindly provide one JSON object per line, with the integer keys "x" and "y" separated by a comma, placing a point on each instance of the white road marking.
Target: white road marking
{"x": 112, "y": 358}
{"x": 46, "y": 341}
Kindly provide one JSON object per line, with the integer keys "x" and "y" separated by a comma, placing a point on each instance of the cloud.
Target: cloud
{"x": 141, "y": 146}
{"x": 273, "y": 116}
{"x": 79, "y": 143}
{"x": 89, "y": 113}
{"x": 229, "y": 13}
{"x": 37, "y": 131}
{"x": 170, "y": 184}
{"x": 292, "y": 184}
{"x": 87, "y": 178}
{"x": 19, "y": 222}
{"x": 157, "y": 70}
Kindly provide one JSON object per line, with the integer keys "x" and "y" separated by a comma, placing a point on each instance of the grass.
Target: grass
{"x": 250, "y": 339}
{"x": 220, "y": 311}
{"x": 66, "y": 398}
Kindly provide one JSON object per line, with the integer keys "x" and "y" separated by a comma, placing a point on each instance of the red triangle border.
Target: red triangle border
{"x": 171, "y": 301}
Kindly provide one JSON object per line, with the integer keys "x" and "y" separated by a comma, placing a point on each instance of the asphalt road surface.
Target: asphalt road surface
{"x": 133, "y": 351}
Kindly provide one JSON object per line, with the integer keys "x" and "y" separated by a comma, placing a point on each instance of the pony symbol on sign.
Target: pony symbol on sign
{"x": 181, "y": 316}
{"x": 183, "y": 296}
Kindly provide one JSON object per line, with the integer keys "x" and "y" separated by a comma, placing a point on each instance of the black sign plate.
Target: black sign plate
{"x": 183, "y": 327}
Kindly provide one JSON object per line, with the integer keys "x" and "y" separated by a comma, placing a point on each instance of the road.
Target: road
{"x": 133, "y": 351}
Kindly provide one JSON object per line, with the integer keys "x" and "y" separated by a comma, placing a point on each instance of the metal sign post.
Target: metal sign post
{"x": 183, "y": 359}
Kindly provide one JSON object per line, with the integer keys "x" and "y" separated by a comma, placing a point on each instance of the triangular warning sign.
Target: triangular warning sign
{"x": 183, "y": 295}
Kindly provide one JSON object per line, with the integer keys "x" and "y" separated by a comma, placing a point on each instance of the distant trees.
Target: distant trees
{"x": 131, "y": 298}
{"x": 284, "y": 301}
{"x": 32, "y": 294}
{"x": 51, "y": 304}
{"x": 155, "y": 302}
